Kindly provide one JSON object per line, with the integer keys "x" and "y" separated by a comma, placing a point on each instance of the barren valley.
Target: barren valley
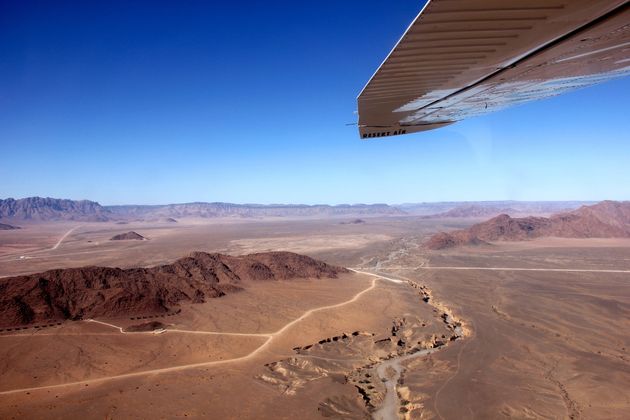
{"x": 533, "y": 329}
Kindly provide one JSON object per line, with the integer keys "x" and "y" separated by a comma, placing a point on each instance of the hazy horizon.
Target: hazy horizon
{"x": 408, "y": 203}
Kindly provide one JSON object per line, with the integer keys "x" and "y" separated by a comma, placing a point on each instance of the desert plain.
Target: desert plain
{"x": 534, "y": 329}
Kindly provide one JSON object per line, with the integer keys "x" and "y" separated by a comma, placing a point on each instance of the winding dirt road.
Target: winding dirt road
{"x": 65, "y": 235}
{"x": 269, "y": 337}
{"x": 34, "y": 253}
{"x": 377, "y": 275}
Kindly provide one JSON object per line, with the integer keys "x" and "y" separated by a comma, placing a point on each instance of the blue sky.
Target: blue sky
{"x": 157, "y": 103}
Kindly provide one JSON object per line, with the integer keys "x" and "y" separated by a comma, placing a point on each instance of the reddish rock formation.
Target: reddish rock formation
{"x": 128, "y": 236}
{"x": 88, "y": 292}
{"x": 608, "y": 219}
{"x": 443, "y": 240}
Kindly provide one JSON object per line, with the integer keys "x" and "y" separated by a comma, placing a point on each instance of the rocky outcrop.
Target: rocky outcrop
{"x": 608, "y": 219}
{"x": 89, "y": 292}
{"x": 443, "y": 240}
{"x": 128, "y": 236}
{"x": 353, "y": 222}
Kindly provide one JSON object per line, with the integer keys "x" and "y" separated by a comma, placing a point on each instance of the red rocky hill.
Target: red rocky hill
{"x": 87, "y": 292}
{"x": 608, "y": 219}
{"x": 127, "y": 236}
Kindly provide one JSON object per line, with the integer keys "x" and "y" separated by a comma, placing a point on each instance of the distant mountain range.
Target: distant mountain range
{"x": 46, "y": 209}
{"x": 608, "y": 219}
{"x": 53, "y": 209}
{"x": 471, "y": 209}
{"x": 208, "y": 210}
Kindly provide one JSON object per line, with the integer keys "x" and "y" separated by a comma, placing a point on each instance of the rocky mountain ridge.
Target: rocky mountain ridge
{"x": 88, "y": 292}
{"x": 489, "y": 208}
{"x": 210, "y": 210}
{"x": 51, "y": 209}
{"x": 607, "y": 219}
{"x": 54, "y": 209}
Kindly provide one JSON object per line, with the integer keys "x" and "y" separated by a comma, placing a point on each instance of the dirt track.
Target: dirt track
{"x": 65, "y": 235}
{"x": 248, "y": 356}
{"x": 562, "y": 270}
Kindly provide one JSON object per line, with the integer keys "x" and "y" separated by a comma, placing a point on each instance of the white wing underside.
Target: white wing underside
{"x": 462, "y": 58}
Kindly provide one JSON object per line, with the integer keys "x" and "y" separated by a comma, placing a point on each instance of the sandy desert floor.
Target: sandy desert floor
{"x": 523, "y": 330}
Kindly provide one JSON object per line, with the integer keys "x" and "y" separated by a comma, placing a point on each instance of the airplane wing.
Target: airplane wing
{"x": 462, "y": 58}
